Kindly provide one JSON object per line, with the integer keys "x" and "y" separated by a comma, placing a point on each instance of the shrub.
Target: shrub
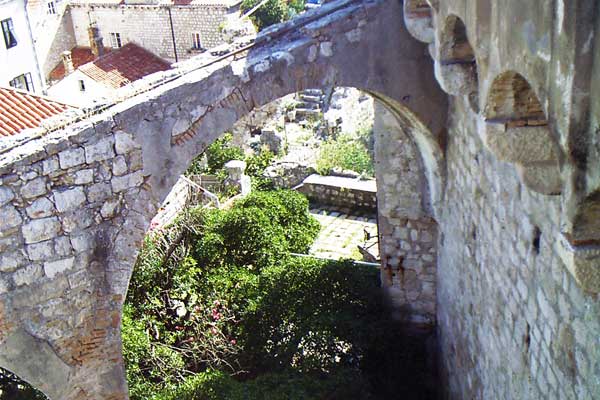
{"x": 345, "y": 153}
{"x": 272, "y": 12}
{"x": 218, "y": 154}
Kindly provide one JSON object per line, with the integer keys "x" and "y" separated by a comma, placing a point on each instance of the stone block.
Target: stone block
{"x": 119, "y": 166}
{"x": 40, "y": 251}
{"x": 99, "y": 192}
{"x": 41, "y": 229}
{"x": 84, "y": 176}
{"x": 6, "y": 195}
{"x": 27, "y": 275}
{"x": 124, "y": 143}
{"x": 34, "y": 188}
{"x": 40, "y": 208}
{"x": 71, "y": 158}
{"x": 100, "y": 151}
{"x": 51, "y": 269}
{"x": 9, "y": 262}
{"x": 69, "y": 199}
{"x": 50, "y": 165}
{"x": 10, "y": 218}
{"x": 121, "y": 183}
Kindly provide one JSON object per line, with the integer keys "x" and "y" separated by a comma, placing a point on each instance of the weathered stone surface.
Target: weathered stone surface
{"x": 10, "y": 218}
{"x": 40, "y": 208}
{"x": 69, "y": 199}
{"x": 102, "y": 150}
{"x": 6, "y": 195}
{"x": 34, "y": 188}
{"x": 27, "y": 275}
{"x": 124, "y": 143}
{"x": 71, "y": 158}
{"x": 41, "y": 229}
{"x": 119, "y": 166}
{"x": 477, "y": 245}
{"x": 51, "y": 269}
{"x": 121, "y": 183}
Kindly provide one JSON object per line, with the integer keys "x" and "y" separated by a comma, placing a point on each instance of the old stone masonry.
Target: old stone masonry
{"x": 488, "y": 162}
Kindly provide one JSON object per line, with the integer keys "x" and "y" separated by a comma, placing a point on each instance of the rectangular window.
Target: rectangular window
{"x": 81, "y": 85}
{"x": 23, "y": 82}
{"x": 115, "y": 40}
{"x": 8, "y": 30}
{"x": 196, "y": 43}
{"x": 51, "y": 8}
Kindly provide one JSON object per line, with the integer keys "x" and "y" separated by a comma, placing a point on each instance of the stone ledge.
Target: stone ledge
{"x": 582, "y": 261}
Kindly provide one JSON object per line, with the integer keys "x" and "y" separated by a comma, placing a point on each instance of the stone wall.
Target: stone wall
{"x": 133, "y": 22}
{"x": 77, "y": 201}
{"x": 341, "y": 192}
{"x": 407, "y": 230}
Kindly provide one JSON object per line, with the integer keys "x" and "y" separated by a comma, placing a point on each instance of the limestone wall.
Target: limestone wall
{"x": 150, "y": 26}
{"x": 407, "y": 231}
{"x": 342, "y": 192}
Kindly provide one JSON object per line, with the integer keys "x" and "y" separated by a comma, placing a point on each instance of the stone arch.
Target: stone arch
{"x": 517, "y": 131}
{"x": 48, "y": 373}
{"x": 77, "y": 202}
{"x": 456, "y": 62}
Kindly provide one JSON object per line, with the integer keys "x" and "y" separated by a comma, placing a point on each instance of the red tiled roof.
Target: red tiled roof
{"x": 20, "y": 110}
{"x": 80, "y": 56}
{"x": 124, "y": 65}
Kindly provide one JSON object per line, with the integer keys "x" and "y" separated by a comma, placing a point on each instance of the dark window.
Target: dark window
{"x": 23, "y": 82}
{"x": 51, "y": 8}
{"x": 115, "y": 40}
{"x": 81, "y": 85}
{"x": 196, "y": 42}
{"x": 8, "y": 30}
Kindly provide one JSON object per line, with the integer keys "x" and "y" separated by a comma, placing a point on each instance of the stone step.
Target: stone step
{"x": 312, "y": 106}
{"x": 302, "y": 112}
{"x": 310, "y": 98}
{"x": 312, "y": 92}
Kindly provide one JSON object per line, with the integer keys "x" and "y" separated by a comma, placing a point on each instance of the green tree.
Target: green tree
{"x": 272, "y": 12}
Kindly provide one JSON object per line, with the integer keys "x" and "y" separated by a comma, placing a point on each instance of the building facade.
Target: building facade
{"x": 18, "y": 61}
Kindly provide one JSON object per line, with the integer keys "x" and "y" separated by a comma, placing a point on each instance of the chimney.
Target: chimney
{"x": 67, "y": 62}
{"x": 95, "y": 41}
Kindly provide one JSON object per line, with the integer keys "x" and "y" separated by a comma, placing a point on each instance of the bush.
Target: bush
{"x": 219, "y": 309}
{"x": 345, "y": 153}
{"x": 217, "y": 154}
{"x": 272, "y": 12}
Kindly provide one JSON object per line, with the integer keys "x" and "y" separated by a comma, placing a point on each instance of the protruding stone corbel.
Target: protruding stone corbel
{"x": 582, "y": 261}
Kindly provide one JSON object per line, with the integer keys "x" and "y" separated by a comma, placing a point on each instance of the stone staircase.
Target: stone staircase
{"x": 311, "y": 104}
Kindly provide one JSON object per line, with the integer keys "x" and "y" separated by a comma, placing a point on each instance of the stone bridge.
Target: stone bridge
{"x": 487, "y": 162}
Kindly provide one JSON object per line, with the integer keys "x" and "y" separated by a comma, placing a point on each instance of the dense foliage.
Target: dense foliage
{"x": 219, "y": 309}
{"x": 12, "y": 387}
{"x": 272, "y": 12}
{"x": 346, "y": 152}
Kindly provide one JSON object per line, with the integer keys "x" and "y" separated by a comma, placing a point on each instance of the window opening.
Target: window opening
{"x": 81, "y": 85}
{"x": 8, "y": 31}
{"x": 196, "y": 42}
{"x": 115, "y": 40}
{"x": 23, "y": 82}
{"x": 51, "y": 8}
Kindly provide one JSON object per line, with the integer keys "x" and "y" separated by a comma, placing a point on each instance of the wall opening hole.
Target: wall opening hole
{"x": 535, "y": 243}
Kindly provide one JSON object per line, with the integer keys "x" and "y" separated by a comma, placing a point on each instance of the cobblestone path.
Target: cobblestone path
{"x": 341, "y": 233}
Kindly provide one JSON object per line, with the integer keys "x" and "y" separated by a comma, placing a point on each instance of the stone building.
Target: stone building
{"x": 102, "y": 77}
{"x": 487, "y": 112}
{"x": 19, "y": 66}
{"x": 174, "y": 30}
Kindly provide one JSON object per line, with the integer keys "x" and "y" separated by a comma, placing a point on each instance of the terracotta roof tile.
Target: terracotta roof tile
{"x": 20, "y": 110}
{"x": 124, "y": 65}
{"x": 79, "y": 56}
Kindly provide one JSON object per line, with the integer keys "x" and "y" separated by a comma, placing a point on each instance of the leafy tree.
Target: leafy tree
{"x": 272, "y": 12}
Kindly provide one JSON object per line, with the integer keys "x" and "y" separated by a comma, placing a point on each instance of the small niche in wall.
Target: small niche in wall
{"x": 535, "y": 241}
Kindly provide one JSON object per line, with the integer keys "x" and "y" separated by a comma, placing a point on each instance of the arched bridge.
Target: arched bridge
{"x": 76, "y": 202}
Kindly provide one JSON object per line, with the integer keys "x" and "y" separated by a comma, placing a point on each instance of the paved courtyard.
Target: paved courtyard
{"x": 341, "y": 233}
